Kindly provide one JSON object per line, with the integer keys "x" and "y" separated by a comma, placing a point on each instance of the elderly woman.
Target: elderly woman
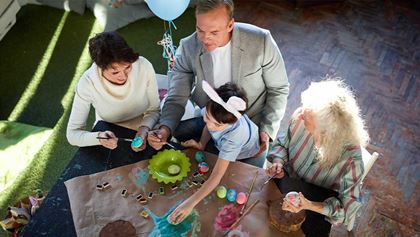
{"x": 121, "y": 86}
{"x": 322, "y": 154}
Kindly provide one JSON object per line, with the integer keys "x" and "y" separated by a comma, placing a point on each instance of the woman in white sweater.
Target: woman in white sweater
{"x": 121, "y": 86}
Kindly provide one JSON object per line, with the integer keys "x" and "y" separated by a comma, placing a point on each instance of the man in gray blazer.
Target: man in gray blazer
{"x": 223, "y": 51}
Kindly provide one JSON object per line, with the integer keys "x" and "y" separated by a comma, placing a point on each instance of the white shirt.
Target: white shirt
{"x": 134, "y": 104}
{"x": 222, "y": 64}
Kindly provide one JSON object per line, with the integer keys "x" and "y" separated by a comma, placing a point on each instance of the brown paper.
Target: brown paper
{"x": 92, "y": 209}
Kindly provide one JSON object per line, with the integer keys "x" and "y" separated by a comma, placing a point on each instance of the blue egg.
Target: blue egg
{"x": 136, "y": 143}
{"x": 231, "y": 195}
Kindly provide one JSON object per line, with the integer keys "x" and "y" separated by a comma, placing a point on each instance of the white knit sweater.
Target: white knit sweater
{"x": 134, "y": 104}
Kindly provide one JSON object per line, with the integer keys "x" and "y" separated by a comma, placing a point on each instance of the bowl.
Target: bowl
{"x": 160, "y": 163}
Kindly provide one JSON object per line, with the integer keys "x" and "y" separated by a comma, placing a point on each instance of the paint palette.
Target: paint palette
{"x": 160, "y": 163}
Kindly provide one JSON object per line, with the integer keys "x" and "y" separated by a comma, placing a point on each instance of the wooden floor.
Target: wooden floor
{"x": 375, "y": 47}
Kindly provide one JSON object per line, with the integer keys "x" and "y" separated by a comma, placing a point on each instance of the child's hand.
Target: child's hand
{"x": 180, "y": 213}
{"x": 193, "y": 144}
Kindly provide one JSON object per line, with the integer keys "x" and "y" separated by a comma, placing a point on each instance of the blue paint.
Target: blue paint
{"x": 139, "y": 177}
{"x": 184, "y": 185}
{"x": 164, "y": 229}
{"x": 175, "y": 195}
{"x": 119, "y": 178}
{"x": 137, "y": 142}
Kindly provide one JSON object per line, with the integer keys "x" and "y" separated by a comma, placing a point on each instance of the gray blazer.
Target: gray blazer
{"x": 257, "y": 66}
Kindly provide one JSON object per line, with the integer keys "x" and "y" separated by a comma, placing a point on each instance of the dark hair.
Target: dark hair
{"x": 220, "y": 114}
{"x": 204, "y": 6}
{"x": 109, "y": 47}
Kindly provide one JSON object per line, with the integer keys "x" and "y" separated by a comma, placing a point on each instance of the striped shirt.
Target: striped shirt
{"x": 345, "y": 176}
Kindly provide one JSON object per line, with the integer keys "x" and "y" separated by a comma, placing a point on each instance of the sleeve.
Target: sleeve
{"x": 280, "y": 149}
{"x": 151, "y": 116}
{"x": 229, "y": 150}
{"x": 342, "y": 209}
{"x": 277, "y": 87}
{"x": 76, "y": 127}
{"x": 180, "y": 85}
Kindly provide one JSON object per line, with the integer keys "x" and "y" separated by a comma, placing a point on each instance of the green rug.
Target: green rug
{"x": 42, "y": 57}
{"x": 19, "y": 143}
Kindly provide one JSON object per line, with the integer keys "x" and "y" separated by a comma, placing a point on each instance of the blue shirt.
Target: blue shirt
{"x": 238, "y": 141}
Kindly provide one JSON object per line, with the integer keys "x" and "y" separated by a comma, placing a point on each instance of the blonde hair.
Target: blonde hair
{"x": 337, "y": 118}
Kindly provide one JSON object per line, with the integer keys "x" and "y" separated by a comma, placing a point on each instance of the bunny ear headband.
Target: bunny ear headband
{"x": 233, "y": 105}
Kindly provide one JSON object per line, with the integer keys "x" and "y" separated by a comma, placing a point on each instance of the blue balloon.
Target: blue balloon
{"x": 168, "y": 10}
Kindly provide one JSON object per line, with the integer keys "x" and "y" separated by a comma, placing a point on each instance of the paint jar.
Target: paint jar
{"x": 203, "y": 167}
{"x": 293, "y": 197}
{"x": 137, "y": 142}
{"x": 221, "y": 191}
{"x": 199, "y": 156}
{"x": 241, "y": 198}
{"x": 231, "y": 195}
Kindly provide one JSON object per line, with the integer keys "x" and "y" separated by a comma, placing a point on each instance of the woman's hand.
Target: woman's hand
{"x": 304, "y": 204}
{"x": 143, "y": 134}
{"x": 111, "y": 142}
{"x": 275, "y": 169}
{"x": 180, "y": 213}
{"x": 193, "y": 144}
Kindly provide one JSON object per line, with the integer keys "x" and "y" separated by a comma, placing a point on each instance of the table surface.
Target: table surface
{"x": 54, "y": 218}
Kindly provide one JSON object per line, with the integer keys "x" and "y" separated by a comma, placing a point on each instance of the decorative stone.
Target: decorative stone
{"x": 174, "y": 169}
{"x": 231, "y": 195}
{"x": 203, "y": 167}
{"x": 199, "y": 156}
{"x": 241, "y": 198}
{"x": 293, "y": 197}
{"x": 137, "y": 142}
{"x": 221, "y": 191}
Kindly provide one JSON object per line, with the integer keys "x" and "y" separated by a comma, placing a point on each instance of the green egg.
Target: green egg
{"x": 221, "y": 191}
{"x": 174, "y": 169}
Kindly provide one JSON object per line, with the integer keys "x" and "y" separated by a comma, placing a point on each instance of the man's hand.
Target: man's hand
{"x": 157, "y": 138}
{"x": 111, "y": 142}
{"x": 264, "y": 139}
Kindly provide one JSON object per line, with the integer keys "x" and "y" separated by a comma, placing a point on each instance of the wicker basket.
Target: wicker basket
{"x": 284, "y": 221}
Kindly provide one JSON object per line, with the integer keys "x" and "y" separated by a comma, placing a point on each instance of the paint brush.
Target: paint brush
{"x": 169, "y": 144}
{"x": 268, "y": 180}
{"x": 249, "y": 193}
{"x": 123, "y": 139}
{"x": 240, "y": 218}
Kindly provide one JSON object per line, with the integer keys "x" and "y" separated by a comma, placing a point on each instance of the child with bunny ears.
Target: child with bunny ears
{"x": 234, "y": 134}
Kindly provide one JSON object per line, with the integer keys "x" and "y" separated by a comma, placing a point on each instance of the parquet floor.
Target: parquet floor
{"x": 375, "y": 47}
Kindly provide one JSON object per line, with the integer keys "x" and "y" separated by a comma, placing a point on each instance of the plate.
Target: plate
{"x": 159, "y": 164}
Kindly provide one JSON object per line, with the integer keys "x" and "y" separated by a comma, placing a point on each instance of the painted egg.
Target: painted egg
{"x": 231, "y": 195}
{"x": 137, "y": 142}
{"x": 293, "y": 197}
{"x": 199, "y": 156}
{"x": 241, "y": 198}
{"x": 203, "y": 167}
{"x": 221, "y": 191}
{"x": 174, "y": 169}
